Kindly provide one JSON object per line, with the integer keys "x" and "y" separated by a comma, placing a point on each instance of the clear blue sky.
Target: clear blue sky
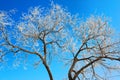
{"x": 110, "y": 8}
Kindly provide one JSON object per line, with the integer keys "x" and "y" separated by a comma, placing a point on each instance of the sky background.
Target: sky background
{"x": 85, "y": 8}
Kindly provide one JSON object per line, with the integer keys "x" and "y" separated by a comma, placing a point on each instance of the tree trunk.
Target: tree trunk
{"x": 48, "y": 70}
{"x": 46, "y": 66}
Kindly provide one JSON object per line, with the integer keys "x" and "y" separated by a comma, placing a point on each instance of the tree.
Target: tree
{"x": 43, "y": 33}
{"x": 95, "y": 49}
{"x": 39, "y": 33}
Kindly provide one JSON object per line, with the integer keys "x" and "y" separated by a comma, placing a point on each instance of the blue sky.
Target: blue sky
{"x": 110, "y": 8}
{"x": 85, "y": 8}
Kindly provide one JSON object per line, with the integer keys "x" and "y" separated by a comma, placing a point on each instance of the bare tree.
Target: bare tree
{"x": 96, "y": 48}
{"x": 40, "y": 33}
{"x": 43, "y": 33}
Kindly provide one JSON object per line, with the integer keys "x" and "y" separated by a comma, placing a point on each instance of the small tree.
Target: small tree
{"x": 89, "y": 44}
{"x": 95, "y": 48}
